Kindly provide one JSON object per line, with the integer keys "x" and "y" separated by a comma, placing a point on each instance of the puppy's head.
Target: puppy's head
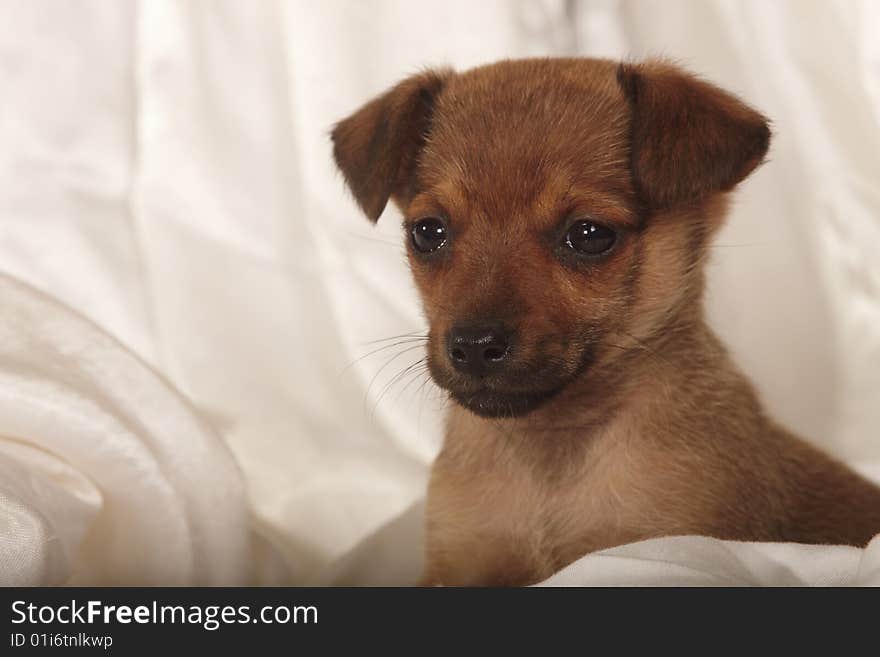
{"x": 555, "y": 211}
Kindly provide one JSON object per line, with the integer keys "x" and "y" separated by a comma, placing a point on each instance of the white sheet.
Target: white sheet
{"x": 106, "y": 477}
{"x": 165, "y": 171}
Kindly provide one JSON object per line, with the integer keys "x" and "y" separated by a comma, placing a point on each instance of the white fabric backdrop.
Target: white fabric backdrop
{"x": 165, "y": 171}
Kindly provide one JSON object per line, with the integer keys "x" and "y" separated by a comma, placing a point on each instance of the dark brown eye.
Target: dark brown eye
{"x": 590, "y": 238}
{"x": 428, "y": 234}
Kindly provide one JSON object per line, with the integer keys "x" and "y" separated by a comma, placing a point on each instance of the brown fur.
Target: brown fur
{"x": 627, "y": 420}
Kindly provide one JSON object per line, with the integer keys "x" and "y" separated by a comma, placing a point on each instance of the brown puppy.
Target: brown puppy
{"x": 558, "y": 214}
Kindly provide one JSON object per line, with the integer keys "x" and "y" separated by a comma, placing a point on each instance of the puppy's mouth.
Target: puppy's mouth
{"x": 514, "y": 392}
{"x": 493, "y": 404}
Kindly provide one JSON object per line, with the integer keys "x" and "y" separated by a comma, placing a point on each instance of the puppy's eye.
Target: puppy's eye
{"x": 428, "y": 234}
{"x": 590, "y": 238}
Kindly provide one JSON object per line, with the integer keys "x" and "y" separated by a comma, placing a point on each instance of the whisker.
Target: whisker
{"x": 427, "y": 380}
{"x": 385, "y": 365}
{"x": 397, "y": 377}
{"x": 413, "y": 334}
{"x": 647, "y": 348}
{"x": 736, "y": 246}
{"x": 415, "y": 374}
{"x": 400, "y": 343}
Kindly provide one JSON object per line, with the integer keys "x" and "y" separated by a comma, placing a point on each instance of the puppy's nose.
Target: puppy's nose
{"x": 477, "y": 350}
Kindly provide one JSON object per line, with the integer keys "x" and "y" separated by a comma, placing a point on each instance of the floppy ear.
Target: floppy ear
{"x": 376, "y": 148}
{"x": 689, "y": 139}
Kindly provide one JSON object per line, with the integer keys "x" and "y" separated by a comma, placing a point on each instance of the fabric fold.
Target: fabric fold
{"x": 109, "y": 476}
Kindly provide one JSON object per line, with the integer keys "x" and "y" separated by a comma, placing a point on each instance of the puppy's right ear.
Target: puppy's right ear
{"x": 377, "y": 147}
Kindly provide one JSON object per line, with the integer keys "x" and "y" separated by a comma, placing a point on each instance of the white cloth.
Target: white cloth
{"x": 106, "y": 477}
{"x": 702, "y": 561}
{"x": 166, "y": 172}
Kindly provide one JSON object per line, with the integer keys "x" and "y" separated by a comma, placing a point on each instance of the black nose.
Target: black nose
{"x": 477, "y": 350}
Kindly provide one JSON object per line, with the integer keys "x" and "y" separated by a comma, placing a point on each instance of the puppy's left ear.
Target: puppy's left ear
{"x": 377, "y": 147}
{"x": 689, "y": 139}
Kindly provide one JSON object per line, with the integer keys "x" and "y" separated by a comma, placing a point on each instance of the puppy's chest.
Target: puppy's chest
{"x": 533, "y": 511}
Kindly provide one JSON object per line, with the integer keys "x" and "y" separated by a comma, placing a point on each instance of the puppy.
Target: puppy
{"x": 558, "y": 213}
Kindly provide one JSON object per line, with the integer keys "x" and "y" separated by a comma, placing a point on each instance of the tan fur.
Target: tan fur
{"x": 687, "y": 452}
{"x": 635, "y": 422}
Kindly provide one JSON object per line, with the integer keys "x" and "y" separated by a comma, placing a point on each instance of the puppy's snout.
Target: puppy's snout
{"x": 478, "y": 350}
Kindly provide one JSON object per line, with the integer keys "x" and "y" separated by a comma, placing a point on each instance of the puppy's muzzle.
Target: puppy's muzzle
{"x": 478, "y": 350}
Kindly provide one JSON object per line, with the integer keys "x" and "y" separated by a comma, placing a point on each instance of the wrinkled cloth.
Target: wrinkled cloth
{"x": 702, "y": 561}
{"x": 106, "y": 476}
{"x": 166, "y": 173}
